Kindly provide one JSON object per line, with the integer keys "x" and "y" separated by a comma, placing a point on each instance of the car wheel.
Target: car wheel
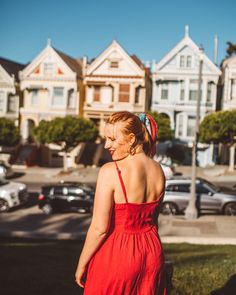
{"x": 4, "y": 206}
{"x": 47, "y": 209}
{"x": 169, "y": 208}
{"x": 230, "y": 209}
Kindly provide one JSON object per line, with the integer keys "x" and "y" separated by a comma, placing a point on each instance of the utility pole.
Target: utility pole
{"x": 191, "y": 210}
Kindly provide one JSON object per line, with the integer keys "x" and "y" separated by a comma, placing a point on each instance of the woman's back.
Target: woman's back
{"x": 143, "y": 179}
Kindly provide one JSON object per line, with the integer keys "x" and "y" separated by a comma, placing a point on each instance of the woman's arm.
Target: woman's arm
{"x": 99, "y": 226}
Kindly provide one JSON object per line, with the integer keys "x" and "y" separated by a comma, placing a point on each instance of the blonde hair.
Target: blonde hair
{"x": 133, "y": 125}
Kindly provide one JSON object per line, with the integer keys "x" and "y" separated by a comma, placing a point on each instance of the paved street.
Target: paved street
{"x": 29, "y": 221}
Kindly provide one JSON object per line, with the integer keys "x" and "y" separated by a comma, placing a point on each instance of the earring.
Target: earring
{"x": 132, "y": 150}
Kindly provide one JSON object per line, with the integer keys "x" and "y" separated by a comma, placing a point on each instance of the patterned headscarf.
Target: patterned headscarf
{"x": 152, "y": 129}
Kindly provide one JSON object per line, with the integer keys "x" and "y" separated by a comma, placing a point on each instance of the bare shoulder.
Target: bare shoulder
{"x": 107, "y": 170}
{"x": 159, "y": 174}
{"x": 157, "y": 167}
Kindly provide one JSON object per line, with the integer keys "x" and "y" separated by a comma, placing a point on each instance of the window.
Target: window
{"x": 185, "y": 61}
{"x": 137, "y": 92}
{"x": 34, "y": 97}
{"x": 209, "y": 90}
{"x": 114, "y": 64}
{"x": 58, "y": 98}
{"x": 71, "y": 99}
{"x": 193, "y": 90}
{"x": 96, "y": 93}
{"x": 233, "y": 89}
{"x": 180, "y": 125}
{"x": 164, "y": 91}
{"x": 182, "y": 61}
{"x": 58, "y": 190}
{"x": 185, "y": 188}
{"x": 74, "y": 191}
{"x": 11, "y": 107}
{"x": 124, "y": 93}
{"x": 189, "y": 61}
{"x": 191, "y": 126}
{"x": 1, "y": 101}
{"x": 201, "y": 189}
{"x": 193, "y": 95}
{"x": 48, "y": 68}
{"x": 182, "y": 90}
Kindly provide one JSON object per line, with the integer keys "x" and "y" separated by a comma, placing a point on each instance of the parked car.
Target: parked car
{"x": 12, "y": 194}
{"x": 5, "y": 170}
{"x": 66, "y": 196}
{"x": 209, "y": 198}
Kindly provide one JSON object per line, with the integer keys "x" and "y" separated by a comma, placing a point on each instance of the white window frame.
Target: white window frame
{"x": 2, "y": 101}
{"x": 34, "y": 97}
{"x": 56, "y": 97}
{"x": 165, "y": 91}
{"x": 193, "y": 118}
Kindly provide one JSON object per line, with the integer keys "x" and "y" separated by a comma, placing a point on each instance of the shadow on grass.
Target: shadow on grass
{"x": 39, "y": 267}
{"x": 228, "y": 289}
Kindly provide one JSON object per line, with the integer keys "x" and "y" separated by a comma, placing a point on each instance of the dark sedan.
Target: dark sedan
{"x": 65, "y": 197}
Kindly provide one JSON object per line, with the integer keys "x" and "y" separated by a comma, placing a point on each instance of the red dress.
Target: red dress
{"x": 131, "y": 260}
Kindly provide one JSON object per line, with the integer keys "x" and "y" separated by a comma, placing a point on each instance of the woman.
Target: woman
{"x": 122, "y": 254}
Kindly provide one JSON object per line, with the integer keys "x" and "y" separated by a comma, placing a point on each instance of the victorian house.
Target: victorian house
{"x": 229, "y": 83}
{"x": 175, "y": 90}
{"x": 115, "y": 81}
{"x": 10, "y": 95}
{"x": 51, "y": 86}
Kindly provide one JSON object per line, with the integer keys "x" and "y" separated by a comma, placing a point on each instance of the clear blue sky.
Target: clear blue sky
{"x": 147, "y": 28}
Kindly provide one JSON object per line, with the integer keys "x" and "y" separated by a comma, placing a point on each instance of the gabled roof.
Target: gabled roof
{"x": 11, "y": 67}
{"x": 187, "y": 41}
{"x": 229, "y": 60}
{"x": 139, "y": 63}
{"x": 133, "y": 62}
{"x": 74, "y": 64}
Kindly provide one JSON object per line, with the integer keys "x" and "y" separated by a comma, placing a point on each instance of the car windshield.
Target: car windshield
{"x": 3, "y": 182}
{"x": 212, "y": 186}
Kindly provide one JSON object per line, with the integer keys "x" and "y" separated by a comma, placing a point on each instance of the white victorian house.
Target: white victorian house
{"x": 10, "y": 96}
{"x": 229, "y": 83}
{"x": 115, "y": 81}
{"x": 51, "y": 86}
{"x": 175, "y": 90}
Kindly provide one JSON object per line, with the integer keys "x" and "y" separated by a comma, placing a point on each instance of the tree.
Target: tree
{"x": 163, "y": 122}
{"x": 68, "y": 132}
{"x": 9, "y": 133}
{"x": 231, "y": 49}
{"x": 220, "y": 127}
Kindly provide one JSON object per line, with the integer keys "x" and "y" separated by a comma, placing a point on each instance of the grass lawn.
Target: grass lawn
{"x": 35, "y": 267}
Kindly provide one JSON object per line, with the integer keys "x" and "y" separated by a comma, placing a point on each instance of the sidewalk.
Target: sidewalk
{"x": 44, "y": 175}
{"x": 218, "y": 173}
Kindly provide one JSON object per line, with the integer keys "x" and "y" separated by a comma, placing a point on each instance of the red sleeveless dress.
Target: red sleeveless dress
{"x": 131, "y": 260}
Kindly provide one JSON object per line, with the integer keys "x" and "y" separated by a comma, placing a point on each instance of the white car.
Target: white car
{"x": 5, "y": 170}
{"x": 12, "y": 194}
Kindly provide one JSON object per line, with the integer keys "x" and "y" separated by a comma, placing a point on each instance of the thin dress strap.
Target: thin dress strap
{"x": 121, "y": 182}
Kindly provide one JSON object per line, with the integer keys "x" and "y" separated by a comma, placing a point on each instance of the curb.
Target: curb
{"x": 81, "y": 237}
{"x": 44, "y": 236}
{"x": 199, "y": 240}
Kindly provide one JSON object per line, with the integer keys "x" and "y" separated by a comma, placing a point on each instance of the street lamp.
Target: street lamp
{"x": 191, "y": 211}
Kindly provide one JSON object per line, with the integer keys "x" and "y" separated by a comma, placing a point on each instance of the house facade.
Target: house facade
{"x": 175, "y": 91}
{"x": 229, "y": 83}
{"x": 10, "y": 95}
{"x": 51, "y": 86}
{"x": 115, "y": 81}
